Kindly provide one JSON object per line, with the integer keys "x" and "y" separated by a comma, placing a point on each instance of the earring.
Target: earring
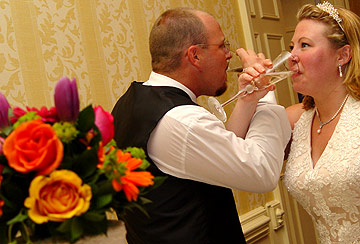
{"x": 340, "y": 71}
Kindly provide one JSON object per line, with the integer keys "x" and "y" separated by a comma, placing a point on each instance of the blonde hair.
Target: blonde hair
{"x": 338, "y": 38}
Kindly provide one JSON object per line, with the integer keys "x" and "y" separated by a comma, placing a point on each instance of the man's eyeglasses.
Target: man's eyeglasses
{"x": 225, "y": 45}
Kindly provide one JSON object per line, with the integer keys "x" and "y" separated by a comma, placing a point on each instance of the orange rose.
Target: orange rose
{"x": 58, "y": 197}
{"x": 33, "y": 146}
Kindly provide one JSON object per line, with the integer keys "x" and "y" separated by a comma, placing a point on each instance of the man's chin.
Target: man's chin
{"x": 221, "y": 90}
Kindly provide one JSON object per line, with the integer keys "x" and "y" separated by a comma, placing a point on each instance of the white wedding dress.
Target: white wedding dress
{"x": 330, "y": 191}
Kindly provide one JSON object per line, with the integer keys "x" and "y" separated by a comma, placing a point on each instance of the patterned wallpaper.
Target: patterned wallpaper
{"x": 103, "y": 44}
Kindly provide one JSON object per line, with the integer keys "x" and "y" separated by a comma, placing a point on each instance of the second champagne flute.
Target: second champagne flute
{"x": 273, "y": 75}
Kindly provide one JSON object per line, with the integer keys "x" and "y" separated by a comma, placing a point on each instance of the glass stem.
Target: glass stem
{"x": 243, "y": 92}
{"x": 232, "y": 98}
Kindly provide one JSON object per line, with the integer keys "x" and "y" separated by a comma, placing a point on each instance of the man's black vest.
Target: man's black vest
{"x": 182, "y": 211}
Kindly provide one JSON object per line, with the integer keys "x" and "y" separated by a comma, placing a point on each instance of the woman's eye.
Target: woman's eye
{"x": 291, "y": 48}
{"x": 304, "y": 45}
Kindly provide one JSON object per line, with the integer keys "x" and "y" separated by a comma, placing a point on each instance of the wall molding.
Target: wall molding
{"x": 252, "y": 9}
{"x": 272, "y": 41}
{"x": 269, "y": 15}
{"x": 276, "y": 214}
{"x": 255, "y": 224}
{"x": 259, "y": 222}
{"x": 258, "y": 45}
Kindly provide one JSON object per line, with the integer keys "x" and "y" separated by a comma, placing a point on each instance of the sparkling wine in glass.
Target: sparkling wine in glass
{"x": 277, "y": 73}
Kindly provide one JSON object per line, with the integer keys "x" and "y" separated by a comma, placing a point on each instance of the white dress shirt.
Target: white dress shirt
{"x": 191, "y": 143}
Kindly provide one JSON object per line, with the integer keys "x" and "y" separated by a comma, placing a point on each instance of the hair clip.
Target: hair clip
{"x": 329, "y": 8}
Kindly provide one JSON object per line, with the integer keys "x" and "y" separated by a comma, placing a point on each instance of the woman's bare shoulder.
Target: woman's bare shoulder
{"x": 294, "y": 112}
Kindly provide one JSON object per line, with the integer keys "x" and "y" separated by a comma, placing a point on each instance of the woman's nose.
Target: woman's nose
{"x": 294, "y": 58}
{"x": 294, "y": 62}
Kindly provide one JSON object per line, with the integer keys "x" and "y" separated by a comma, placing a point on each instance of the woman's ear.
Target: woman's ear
{"x": 193, "y": 55}
{"x": 345, "y": 54}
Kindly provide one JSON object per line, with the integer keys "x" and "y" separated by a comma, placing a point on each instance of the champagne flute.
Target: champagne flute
{"x": 271, "y": 76}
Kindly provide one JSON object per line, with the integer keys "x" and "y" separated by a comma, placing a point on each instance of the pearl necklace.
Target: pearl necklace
{"x": 333, "y": 117}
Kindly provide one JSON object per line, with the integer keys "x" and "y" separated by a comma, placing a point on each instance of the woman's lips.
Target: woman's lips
{"x": 295, "y": 74}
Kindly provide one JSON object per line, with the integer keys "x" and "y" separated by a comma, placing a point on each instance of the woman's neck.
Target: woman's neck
{"x": 329, "y": 105}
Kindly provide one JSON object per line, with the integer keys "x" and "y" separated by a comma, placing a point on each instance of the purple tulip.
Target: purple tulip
{"x": 67, "y": 99}
{"x": 4, "y": 108}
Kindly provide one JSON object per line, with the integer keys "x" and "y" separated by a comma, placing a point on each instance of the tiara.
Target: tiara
{"x": 329, "y": 8}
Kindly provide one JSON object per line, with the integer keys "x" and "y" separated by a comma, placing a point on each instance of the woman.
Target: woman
{"x": 323, "y": 168}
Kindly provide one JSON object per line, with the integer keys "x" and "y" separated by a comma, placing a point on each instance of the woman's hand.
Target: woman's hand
{"x": 250, "y": 59}
{"x": 245, "y": 107}
{"x": 254, "y": 65}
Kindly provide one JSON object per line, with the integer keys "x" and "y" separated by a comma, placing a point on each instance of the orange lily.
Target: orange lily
{"x": 1, "y": 205}
{"x": 101, "y": 155}
{"x": 132, "y": 179}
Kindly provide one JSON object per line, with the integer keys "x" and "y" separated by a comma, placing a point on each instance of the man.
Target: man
{"x": 200, "y": 157}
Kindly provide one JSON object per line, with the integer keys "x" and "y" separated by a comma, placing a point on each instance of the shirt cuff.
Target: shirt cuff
{"x": 269, "y": 98}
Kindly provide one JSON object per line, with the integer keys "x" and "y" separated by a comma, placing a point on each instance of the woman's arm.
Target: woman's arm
{"x": 245, "y": 107}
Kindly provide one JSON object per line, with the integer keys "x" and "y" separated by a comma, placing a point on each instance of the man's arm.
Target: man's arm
{"x": 191, "y": 143}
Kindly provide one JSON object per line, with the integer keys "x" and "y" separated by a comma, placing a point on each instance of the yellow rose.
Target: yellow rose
{"x": 58, "y": 197}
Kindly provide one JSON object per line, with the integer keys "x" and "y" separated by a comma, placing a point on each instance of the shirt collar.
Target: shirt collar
{"x": 157, "y": 79}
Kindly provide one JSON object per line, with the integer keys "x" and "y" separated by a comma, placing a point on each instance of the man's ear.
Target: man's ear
{"x": 193, "y": 54}
{"x": 345, "y": 54}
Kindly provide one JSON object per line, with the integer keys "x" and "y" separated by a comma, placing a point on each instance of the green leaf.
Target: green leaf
{"x": 144, "y": 200}
{"x": 104, "y": 200}
{"x": 94, "y": 228}
{"x": 76, "y": 230}
{"x": 86, "y": 119}
{"x": 85, "y": 164}
{"x": 138, "y": 206}
{"x": 144, "y": 164}
{"x": 65, "y": 227}
{"x": 94, "y": 216}
{"x": 3, "y": 161}
{"x": 103, "y": 188}
{"x": 158, "y": 180}
{"x": 136, "y": 152}
{"x": 7, "y": 130}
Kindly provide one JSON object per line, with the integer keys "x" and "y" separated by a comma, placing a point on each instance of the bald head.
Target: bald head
{"x": 173, "y": 32}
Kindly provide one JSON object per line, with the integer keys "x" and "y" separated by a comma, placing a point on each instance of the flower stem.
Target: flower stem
{"x": 26, "y": 233}
{"x": 9, "y": 233}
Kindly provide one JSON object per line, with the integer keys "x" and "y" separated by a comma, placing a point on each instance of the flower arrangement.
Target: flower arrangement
{"x": 61, "y": 172}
